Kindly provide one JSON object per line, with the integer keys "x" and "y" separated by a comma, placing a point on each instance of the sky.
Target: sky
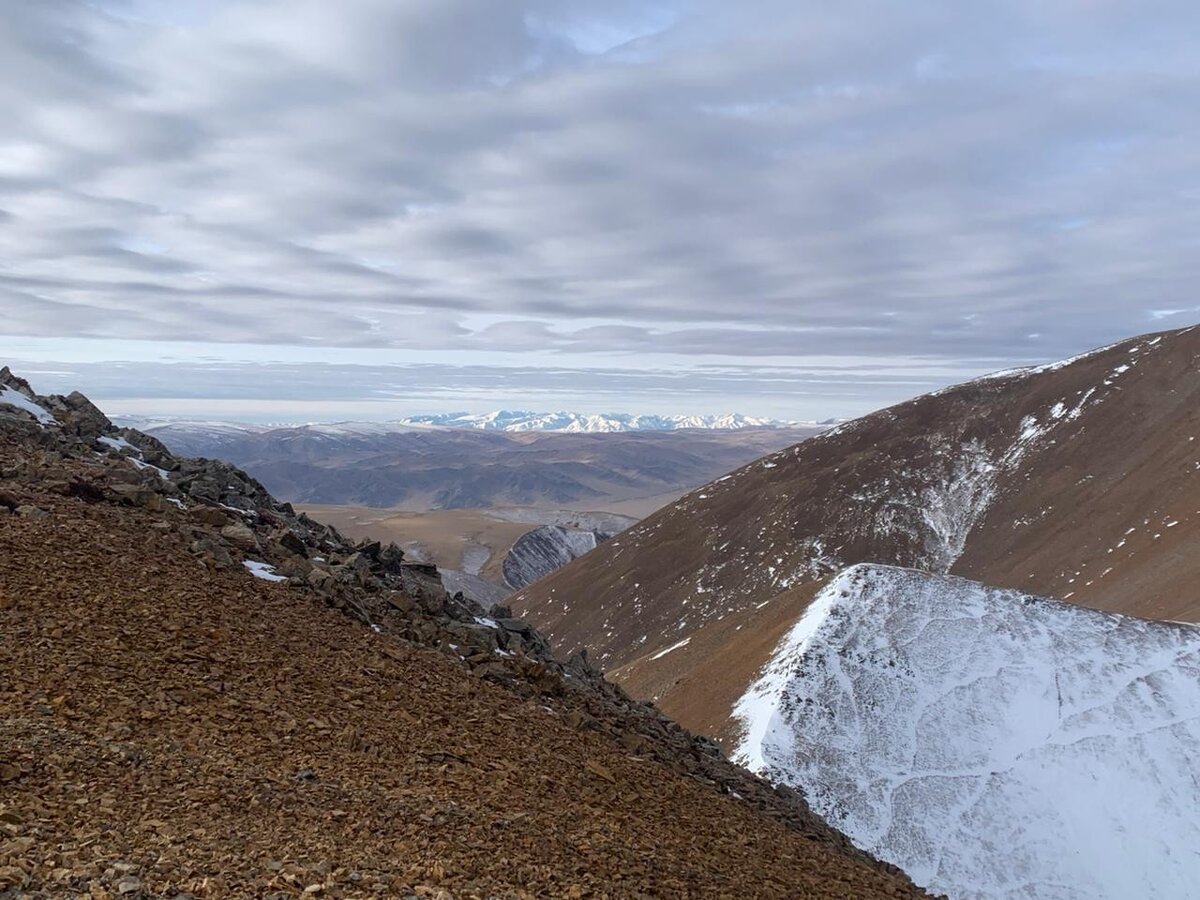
{"x": 305, "y": 210}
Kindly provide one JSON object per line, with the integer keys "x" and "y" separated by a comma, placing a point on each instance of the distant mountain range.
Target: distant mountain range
{"x": 523, "y": 420}
{"x": 497, "y": 420}
{"x": 434, "y": 466}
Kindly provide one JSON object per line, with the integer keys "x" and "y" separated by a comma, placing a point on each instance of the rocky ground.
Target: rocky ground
{"x": 171, "y": 725}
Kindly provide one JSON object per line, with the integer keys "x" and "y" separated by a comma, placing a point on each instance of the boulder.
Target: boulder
{"x": 241, "y": 536}
{"x": 291, "y": 542}
{"x": 295, "y": 567}
{"x": 207, "y": 547}
{"x": 320, "y": 578}
{"x": 209, "y": 515}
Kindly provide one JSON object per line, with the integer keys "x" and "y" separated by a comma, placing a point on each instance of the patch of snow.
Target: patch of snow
{"x": 141, "y": 464}
{"x": 990, "y": 743}
{"x": 263, "y": 570}
{"x": 118, "y": 444}
{"x": 950, "y": 508}
{"x": 12, "y": 397}
{"x": 661, "y": 653}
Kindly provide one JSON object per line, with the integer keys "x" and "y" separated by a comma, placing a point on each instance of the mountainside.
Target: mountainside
{"x": 421, "y": 468}
{"x": 522, "y": 420}
{"x": 1076, "y": 480}
{"x": 207, "y": 693}
{"x": 992, "y": 744}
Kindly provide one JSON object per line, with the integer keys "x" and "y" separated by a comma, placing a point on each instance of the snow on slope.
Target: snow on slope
{"x": 12, "y": 397}
{"x": 990, "y": 743}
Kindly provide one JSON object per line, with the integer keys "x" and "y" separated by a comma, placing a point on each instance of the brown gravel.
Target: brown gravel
{"x": 168, "y": 730}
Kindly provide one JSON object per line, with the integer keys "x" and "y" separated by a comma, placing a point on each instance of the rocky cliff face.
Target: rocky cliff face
{"x": 168, "y": 597}
{"x": 539, "y": 552}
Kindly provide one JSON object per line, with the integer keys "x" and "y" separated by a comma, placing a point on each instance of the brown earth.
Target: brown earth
{"x": 1080, "y": 482}
{"x": 171, "y": 725}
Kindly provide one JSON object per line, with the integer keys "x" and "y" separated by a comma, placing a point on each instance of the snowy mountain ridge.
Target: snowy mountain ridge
{"x": 990, "y": 743}
{"x": 524, "y": 420}
{"x": 498, "y": 420}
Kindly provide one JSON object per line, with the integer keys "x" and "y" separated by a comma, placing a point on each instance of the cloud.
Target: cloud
{"x": 332, "y": 391}
{"x": 762, "y": 179}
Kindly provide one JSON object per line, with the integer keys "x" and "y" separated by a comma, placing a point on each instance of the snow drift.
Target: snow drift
{"x": 990, "y": 743}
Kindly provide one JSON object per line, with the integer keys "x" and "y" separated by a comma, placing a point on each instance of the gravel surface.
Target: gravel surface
{"x": 171, "y": 729}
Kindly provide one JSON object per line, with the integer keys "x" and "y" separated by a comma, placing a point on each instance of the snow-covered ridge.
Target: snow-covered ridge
{"x": 990, "y": 743}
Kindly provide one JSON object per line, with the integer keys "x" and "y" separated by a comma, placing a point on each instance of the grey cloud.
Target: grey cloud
{"x": 761, "y": 179}
{"x": 256, "y": 392}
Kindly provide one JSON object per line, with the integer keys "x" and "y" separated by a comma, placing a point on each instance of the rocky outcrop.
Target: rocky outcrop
{"x": 539, "y": 552}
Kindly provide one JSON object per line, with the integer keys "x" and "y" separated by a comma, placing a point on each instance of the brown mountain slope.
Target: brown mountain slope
{"x": 171, "y": 723}
{"x": 1077, "y": 480}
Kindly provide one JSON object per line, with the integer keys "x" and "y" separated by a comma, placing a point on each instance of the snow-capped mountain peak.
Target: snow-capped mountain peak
{"x": 510, "y": 420}
{"x": 525, "y": 420}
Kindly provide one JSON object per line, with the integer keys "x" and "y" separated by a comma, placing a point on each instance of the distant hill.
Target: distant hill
{"x": 426, "y": 467}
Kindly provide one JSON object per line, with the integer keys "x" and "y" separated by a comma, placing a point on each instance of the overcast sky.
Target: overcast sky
{"x": 286, "y": 209}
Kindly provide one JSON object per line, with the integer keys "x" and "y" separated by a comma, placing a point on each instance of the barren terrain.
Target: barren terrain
{"x": 208, "y": 695}
{"x": 1075, "y": 481}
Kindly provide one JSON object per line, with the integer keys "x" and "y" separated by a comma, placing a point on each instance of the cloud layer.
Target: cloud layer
{"x": 1009, "y": 181}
